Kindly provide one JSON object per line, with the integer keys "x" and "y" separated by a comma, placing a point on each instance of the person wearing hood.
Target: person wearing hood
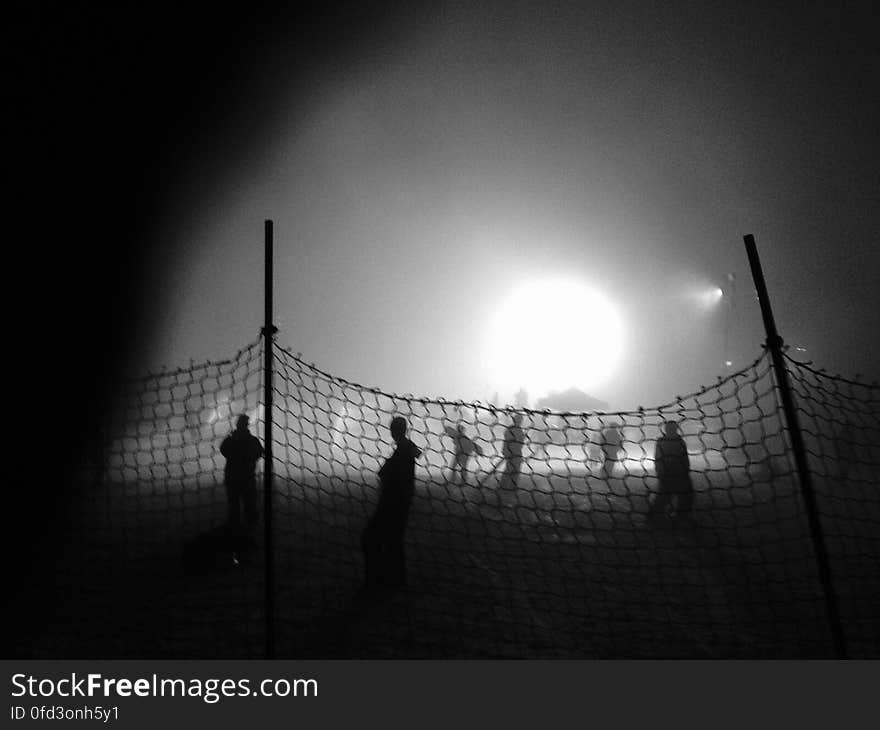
{"x": 673, "y": 469}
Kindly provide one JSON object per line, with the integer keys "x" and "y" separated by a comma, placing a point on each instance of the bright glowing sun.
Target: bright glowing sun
{"x": 553, "y": 335}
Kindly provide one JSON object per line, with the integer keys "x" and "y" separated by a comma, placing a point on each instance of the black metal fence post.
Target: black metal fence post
{"x": 268, "y": 542}
{"x": 774, "y": 344}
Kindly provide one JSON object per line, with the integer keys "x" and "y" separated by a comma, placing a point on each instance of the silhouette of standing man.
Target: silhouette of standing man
{"x": 611, "y": 447}
{"x": 383, "y": 538}
{"x": 242, "y": 451}
{"x": 514, "y": 439}
{"x": 673, "y": 474}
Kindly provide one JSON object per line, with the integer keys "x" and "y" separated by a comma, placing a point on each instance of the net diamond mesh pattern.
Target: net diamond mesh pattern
{"x": 566, "y": 562}
{"x": 129, "y": 582}
{"x": 553, "y": 547}
{"x": 840, "y": 420}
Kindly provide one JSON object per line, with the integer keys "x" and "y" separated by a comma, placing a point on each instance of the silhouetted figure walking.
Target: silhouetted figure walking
{"x": 673, "y": 474}
{"x": 242, "y": 451}
{"x": 514, "y": 439}
{"x": 383, "y": 537}
{"x": 611, "y": 446}
{"x": 465, "y": 447}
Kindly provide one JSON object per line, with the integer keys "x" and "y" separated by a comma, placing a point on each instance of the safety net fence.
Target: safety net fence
{"x": 533, "y": 534}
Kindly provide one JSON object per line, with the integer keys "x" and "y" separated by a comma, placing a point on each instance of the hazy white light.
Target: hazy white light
{"x": 710, "y": 297}
{"x": 552, "y": 335}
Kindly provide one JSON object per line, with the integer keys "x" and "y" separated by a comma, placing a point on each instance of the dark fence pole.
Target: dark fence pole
{"x": 774, "y": 344}
{"x": 268, "y": 542}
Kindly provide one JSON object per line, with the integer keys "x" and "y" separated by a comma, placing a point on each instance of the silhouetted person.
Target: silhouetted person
{"x": 514, "y": 438}
{"x": 242, "y": 451}
{"x": 610, "y": 442}
{"x": 673, "y": 474}
{"x": 464, "y": 449}
{"x": 383, "y": 537}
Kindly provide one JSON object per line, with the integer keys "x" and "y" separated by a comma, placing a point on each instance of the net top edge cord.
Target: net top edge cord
{"x": 822, "y": 373}
{"x": 204, "y": 365}
{"x": 721, "y": 380}
{"x": 478, "y": 405}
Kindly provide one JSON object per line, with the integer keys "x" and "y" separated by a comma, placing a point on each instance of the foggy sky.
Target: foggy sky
{"x": 465, "y": 148}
